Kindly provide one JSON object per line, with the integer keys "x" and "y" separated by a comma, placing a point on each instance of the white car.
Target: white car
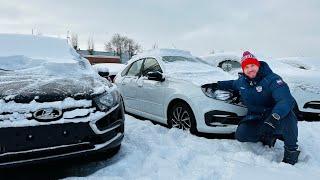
{"x": 301, "y": 74}
{"x": 164, "y": 85}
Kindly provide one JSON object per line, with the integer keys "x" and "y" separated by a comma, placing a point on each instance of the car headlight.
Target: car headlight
{"x": 217, "y": 94}
{"x": 107, "y": 100}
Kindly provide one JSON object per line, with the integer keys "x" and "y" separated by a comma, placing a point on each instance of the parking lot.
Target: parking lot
{"x": 155, "y": 152}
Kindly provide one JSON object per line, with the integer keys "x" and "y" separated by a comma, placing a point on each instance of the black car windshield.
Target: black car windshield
{"x": 169, "y": 59}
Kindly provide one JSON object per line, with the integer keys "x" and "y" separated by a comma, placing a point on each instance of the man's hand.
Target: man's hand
{"x": 268, "y": 128}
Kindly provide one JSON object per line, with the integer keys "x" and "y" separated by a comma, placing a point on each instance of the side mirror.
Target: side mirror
{"x": 155, "y": 76}
{"x": 103, "y": 74}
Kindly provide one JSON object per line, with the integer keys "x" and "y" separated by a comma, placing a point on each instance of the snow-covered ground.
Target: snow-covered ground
{"x": 155, "y": 152}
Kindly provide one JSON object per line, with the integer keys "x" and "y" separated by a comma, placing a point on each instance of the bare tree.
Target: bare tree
{"x": 90, "y": 45}
{"x": 122, "y": 44}
{"x": 74, "y": 41}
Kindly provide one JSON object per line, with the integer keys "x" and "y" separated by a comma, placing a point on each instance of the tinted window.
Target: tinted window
{"x": 135, "y": 68}
{"x": 150, "y": 65}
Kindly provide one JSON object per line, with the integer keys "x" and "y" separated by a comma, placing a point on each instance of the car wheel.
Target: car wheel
{"x": 181, "y": 116}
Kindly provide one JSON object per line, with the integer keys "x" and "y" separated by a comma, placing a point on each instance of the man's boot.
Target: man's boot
{"x": 290, "y": 156}
{"x": 271, "y": 141}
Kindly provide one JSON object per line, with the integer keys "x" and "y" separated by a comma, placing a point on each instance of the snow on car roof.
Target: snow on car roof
{"x": 37, "y": 47}
{"x": 162, "y": 52}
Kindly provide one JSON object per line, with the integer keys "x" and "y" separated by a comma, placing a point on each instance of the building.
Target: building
{"x": 100, "y": 56}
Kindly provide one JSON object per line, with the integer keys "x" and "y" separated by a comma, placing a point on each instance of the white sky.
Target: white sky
{"x": 274, "y": 28}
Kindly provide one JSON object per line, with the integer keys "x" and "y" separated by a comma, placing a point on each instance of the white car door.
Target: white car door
{"x": 151, "y": 92}
{"x": 129, "y": 87}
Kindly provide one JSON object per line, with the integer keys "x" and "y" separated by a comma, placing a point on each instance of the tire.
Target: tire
{"x": 180, "y": 116}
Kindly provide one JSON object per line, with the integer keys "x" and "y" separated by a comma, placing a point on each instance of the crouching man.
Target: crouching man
{"x": 270, "y": 107}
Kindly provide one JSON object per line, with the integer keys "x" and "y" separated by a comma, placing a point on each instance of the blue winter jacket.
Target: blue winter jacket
{"x": 265, "y": 94}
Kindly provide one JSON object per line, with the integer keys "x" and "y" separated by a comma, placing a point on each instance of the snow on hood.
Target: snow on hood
{"x": 51, "y": 68}
{"x": 305, "y": 79}
{"x": 307, "y": 63}
{"x": 196, "y": 73}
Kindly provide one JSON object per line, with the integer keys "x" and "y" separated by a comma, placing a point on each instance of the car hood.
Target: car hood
{"x": 196, "y": 73}
{"x": 24, "y": 79}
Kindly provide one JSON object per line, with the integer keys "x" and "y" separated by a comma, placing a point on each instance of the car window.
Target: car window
{"x": 135, "y": 68}
{"x": 151, "y": 65}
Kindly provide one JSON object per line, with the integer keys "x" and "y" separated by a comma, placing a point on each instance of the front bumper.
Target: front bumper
{"x": 214, "y": 116}
{"x": 23, "y": 145}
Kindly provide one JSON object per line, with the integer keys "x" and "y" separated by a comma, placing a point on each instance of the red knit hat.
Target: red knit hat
{"x": 248, "y": 58}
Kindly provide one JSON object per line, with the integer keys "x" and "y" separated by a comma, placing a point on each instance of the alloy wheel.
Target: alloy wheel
{"x": 181, "y": 118}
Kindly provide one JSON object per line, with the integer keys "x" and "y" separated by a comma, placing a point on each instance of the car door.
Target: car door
{"x": 151, "y": 92}
{"x": 129, "y": 87}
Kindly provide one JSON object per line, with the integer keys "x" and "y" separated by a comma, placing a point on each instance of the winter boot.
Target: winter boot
{"x": 291, "y": 156}
{"x": 269, "y": 142}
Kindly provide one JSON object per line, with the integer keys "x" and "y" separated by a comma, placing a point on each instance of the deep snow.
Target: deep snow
{"x": 155, "y": 152}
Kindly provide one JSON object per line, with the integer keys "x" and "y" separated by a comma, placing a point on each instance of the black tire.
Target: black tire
{"x": 181, "y": 116}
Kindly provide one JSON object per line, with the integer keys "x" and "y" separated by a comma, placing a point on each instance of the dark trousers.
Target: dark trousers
{"x": 250, "y": 131}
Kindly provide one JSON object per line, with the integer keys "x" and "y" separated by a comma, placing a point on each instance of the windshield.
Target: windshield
{"x": 169, "y": 59}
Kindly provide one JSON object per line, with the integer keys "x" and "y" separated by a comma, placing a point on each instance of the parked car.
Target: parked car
{"x": 53, "y": 105}
{"x": 164, "y": 85}
{"x": 109, "y": 70}
{"x": 301, "y": 74}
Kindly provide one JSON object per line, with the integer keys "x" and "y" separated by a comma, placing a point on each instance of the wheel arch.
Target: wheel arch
{"x": 175, "y": 101}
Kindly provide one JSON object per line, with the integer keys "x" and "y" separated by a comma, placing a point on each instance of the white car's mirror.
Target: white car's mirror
{"x": 155, "y": 76}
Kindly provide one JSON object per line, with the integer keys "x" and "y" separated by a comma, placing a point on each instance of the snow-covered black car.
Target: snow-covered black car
{"x": 53, "y": 105}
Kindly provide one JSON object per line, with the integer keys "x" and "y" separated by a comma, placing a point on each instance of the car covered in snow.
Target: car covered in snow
{"x": 53, "y": 104}
{"x": 165, "y": 85}
{"x": 109, "y": 70}
{"x": 301, "y": 74}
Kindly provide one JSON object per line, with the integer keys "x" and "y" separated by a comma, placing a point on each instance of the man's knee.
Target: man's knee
{"x": 244, "y": 133}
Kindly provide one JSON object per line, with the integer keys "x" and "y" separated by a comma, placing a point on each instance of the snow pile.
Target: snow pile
{"x": 112, "y": 68}
{"x": 154, "y": 152}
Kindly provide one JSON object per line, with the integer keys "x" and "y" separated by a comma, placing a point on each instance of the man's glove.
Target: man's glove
{"x": 268, "y": 128}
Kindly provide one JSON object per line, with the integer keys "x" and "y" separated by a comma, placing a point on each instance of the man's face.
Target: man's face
{"x": 251, "y": 70}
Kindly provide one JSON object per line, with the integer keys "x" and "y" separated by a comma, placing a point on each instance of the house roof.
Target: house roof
{"x": 95, "y": 53}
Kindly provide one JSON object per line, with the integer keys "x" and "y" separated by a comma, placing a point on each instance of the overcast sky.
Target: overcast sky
{"x": 274, "y": 28}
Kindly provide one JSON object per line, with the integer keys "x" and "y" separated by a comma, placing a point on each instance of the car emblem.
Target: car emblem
{"x": 259, "y": 88}
{"x": 47, "y": 114}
